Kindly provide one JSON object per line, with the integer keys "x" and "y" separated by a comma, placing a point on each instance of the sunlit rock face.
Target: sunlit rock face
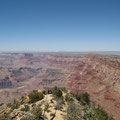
{"x": 20, "y": 73}
{"x": 99, "y": 76}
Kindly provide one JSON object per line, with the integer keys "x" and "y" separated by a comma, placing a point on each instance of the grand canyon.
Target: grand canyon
{"x": 97, "y": 74}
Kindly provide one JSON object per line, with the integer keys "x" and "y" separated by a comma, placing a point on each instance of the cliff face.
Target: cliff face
{"x": 96, "y": 74}
{"x": 5, "y": 84}
{"x": 99, "y": 76}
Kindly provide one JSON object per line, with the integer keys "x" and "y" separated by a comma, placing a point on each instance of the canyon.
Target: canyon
{"x": 21, "y": 73}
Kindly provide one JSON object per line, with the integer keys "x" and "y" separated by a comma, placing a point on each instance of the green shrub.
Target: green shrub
{"x": 46, "y": 107}
{"x": 33, "y": 105}
{"x": 58, "y": 107}
{"x": 15, "y": 105}
{"x": 57, "y": 92}
{"x": 52, "y": 114}
{"x": 44, "y": 92}
{"x": 28, "y": 117}
{"x": 55, "y": 88}
{"x": 22, "y": 99}
{"x": 68, "y": 98}
{"x": 100, "y": 114}
{"x": 35, "y": 96}
{"x": 83, "y": 98}
{"x": 51, "y": 101}
{"x": 60, "y": 102}
{"x": 26, "y": 108}
{"x": 9, "y": 105}
{"x": 73, "y": 112}
{"x": 37, "y": 112}
{"x": 64, "y": 90}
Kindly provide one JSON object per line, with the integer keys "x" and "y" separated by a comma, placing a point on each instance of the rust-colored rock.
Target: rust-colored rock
{"x": 99, "y": 75}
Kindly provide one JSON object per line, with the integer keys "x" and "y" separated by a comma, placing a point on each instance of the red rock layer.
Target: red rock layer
{"x": 99, "y": 76}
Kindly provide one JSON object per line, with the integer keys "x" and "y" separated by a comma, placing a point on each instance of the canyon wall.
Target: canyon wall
{"x": 96, "y": 74}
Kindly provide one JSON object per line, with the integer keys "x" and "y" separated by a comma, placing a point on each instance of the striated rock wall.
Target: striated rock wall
{"x": 100, "y": 77}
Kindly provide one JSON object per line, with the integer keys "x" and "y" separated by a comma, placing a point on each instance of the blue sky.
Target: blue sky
{"x": 59, "y": 25}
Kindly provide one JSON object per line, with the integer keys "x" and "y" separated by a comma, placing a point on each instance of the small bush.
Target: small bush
{"x": 9, "y": 105}
{"x": 22, "y": 99}
{"x": 58, "y": 107}
{"x": 57, "y": 92}
{"x": 52, "y": 114}
{"x": 35, "y": 96}
{"x": 15, "y": 105}
{"x": 68, "y": 98}
{"x": 73, "y": 112}
{"x": 64, "y": 90}
{"x": 46, "y": 107}
{"x": 26, "y": 108}
{"x": 51, "y": 101}
{"x": 100, "y": 114}
{"x": 83, "y": 98}
{"x": 28, "y": 117}
{"x": 37, "y": 112}
{"x": 33, "y": 105}
{"x": 44, "y": 92}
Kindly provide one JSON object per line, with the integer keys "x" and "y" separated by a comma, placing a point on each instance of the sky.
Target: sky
{"x": 59, "y": 25}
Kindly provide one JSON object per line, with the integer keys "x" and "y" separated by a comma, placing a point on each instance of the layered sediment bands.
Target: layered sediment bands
{"x": 5, "y": 84}
{"x": 24, "y": 73}
{"x": 99, "y": 76}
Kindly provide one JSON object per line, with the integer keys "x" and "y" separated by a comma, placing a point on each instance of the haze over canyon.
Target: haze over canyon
{"x": 97, "y": 74}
